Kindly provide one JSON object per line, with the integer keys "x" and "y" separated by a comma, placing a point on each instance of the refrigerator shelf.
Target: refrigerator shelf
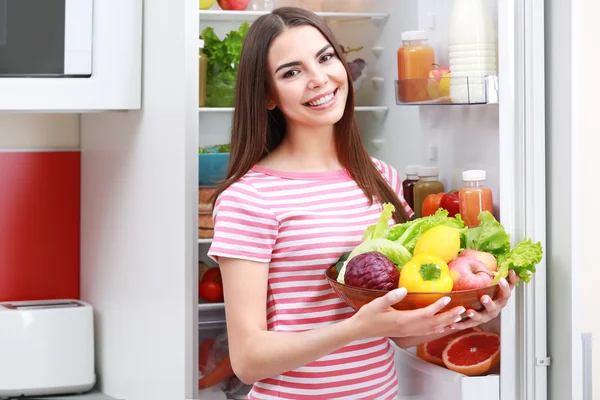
{"x": 204, "y": 241}
{"x": 211, "y": 306}
{"x": 373, "y": 109}
{"x": 249, "y": 16}
{"x": 462, "y": 91}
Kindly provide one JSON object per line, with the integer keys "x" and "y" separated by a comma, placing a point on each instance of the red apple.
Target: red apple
{"x": 486, "y": 258}
{"x": 239, "y": 5}
{"x": 468, "y": 274}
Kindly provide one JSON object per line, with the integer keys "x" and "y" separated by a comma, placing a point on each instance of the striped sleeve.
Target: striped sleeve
{"x": 243, "y": 227}
{"x": 391, "y": 176}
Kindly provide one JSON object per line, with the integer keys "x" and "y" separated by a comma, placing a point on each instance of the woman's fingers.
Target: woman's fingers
{"x": 513, "y": 278}
{"x": 385, "y": 302}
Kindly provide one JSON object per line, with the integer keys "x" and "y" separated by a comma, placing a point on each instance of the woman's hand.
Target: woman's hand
{"x": 378, "y": 318}
{"x": 492, "y": 308}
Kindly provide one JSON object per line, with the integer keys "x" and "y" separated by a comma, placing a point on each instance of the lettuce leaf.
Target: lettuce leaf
{"x": 489, "y": 236}
{"x": 408, "y": 233}
{"x": 522, "y": 259}
{"x": 379, "y": 230}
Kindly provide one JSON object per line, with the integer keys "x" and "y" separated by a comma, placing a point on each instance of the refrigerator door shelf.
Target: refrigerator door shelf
{"x": 424, "y": 381}
{"x": 457, "y": 91}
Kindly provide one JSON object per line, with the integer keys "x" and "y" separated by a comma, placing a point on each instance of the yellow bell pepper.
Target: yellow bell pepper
{"x": 426, "y": 273}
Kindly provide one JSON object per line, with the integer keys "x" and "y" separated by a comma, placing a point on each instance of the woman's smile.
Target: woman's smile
{"x": 323, "y": 101}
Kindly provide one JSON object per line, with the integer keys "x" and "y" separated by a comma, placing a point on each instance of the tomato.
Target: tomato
{"x": 210, "y": 291}
{"x": 431, "y": 204}
{"x": 212, "y": 275}
{"x": 450, "y": 202}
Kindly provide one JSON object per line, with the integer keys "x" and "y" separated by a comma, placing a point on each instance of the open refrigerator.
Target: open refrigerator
{"x": 503, "y": 134}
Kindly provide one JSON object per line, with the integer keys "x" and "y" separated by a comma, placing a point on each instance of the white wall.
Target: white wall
{"x": 39, "y": 131}
{"x": 589, "y": 145}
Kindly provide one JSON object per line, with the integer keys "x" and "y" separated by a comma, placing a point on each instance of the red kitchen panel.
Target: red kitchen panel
{"x": 39, "y": 225}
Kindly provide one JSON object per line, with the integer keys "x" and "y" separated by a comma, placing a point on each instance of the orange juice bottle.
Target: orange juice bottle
{"x": 474, "y": 197}
{"x": 415, "y": 61}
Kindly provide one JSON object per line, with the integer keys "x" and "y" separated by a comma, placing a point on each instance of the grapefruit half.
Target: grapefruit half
{"x": 473, "y": 354}
{"x": 432, "y": 351}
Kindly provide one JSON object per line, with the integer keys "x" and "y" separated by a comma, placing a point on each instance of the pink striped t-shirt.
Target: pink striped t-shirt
{"x": 301, "y": 223}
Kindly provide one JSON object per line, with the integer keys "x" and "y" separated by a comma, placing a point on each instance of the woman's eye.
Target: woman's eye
{"x": 327, "y": 57}
{"x": 291, "y": 73}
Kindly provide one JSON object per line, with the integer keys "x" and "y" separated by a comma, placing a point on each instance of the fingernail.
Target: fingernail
{"x": 461, "y": 310}
{"x": 399, "y": 293}
{"x": 442, "y": 331}
{"x": 485, "y": 300}
{"x": 452, "y": 327}
{"x": 458, "y": 319}
{"x": 503, "y": 282}
{"x": 471, "y": 314}
{"x": 446, "y": 301}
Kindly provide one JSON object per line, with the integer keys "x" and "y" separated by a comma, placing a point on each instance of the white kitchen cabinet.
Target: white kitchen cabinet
{"x": 115, "y": 83}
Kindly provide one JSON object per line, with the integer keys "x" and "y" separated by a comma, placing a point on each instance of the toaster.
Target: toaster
{"x": 46, "y": 347}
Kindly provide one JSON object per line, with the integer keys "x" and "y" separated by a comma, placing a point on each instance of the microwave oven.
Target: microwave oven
{"x": 46, "y": 38}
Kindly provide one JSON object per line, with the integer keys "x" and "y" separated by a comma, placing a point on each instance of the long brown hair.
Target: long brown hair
{"x": 256, "y": 131}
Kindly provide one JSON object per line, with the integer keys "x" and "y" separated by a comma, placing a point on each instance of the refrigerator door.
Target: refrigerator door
{"x": 522, "y": 191}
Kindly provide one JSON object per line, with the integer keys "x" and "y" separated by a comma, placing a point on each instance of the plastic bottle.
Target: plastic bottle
{"x": 408, "y": 184}
{"x": 428, "y": 184}
{"x": 415, "y": 61}
{"x": 471, "y": 51}
{"x": 202, "y": 68}
{"x": 474, "y": 197}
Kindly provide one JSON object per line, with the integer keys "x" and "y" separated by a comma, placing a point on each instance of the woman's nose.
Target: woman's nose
{"x": 318, "y": 78}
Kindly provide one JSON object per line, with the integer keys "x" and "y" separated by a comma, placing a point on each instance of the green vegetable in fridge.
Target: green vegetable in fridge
{"x": 223, "y": 57}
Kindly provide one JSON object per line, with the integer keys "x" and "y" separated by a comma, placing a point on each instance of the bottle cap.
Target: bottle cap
{"x": 429, "y": 171}
{"x": 474, "y": 175}
{"x": 412, "y": 169}
{"x": 414, "y": 35}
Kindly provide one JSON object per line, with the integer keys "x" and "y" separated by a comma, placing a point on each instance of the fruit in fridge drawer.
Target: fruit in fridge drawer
{"x": 488, "y": 259}
{"x": 432, "y": 351}
{"x": 473, "y": 354}
{"x": 206, "y": 4}
{"x": 218, "y": 374}
{"x": 468, "y": 274}
{"x": 441, "y": 241}
{"x": 204, "y": 353}
{"x": 450, "y": 203}
{"x": 213, "y": 275}
{"x": 210, "y": 291}
{"x": 239, "y": 5}
{"x": 438, "y": 84}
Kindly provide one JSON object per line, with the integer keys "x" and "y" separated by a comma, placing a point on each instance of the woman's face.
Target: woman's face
{"x": 306, "y": 80}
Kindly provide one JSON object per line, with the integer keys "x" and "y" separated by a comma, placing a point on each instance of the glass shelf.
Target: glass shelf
{"x": 456, "y": 91}
{"x": 249, "y": 16}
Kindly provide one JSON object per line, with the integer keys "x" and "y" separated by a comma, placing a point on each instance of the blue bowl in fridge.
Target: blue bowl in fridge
{"x": 212, "y": 168}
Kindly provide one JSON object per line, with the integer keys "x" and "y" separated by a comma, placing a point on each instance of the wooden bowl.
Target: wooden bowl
{"x": 357, "y": 297}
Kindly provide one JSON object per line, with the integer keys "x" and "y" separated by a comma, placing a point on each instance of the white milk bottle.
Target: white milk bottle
{"x": 471, "y": 50}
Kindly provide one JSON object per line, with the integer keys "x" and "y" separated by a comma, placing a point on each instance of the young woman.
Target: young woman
{"x": 300, "y": 190}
